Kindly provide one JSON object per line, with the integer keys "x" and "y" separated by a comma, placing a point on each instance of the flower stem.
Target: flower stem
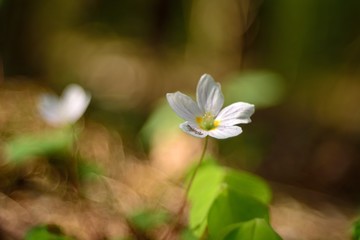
{"x": 195, "y": 171}
{"x": 181, "y": 209}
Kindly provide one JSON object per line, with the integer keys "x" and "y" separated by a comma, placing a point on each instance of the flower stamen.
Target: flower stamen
{"x": 207, "y": 122}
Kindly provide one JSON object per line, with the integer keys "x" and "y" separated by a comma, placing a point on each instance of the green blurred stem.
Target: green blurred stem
{"x": 181, "y": 209}
{"x": 74, "y": 162}
{"x": 195, "y": 171}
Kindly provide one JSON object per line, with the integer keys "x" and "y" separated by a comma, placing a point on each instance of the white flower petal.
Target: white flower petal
{"x": 74, "y": 103}
{"x": 209, "y": 95}
{"x": 184, "y": 106}
{"x": 193, "y": 130}
{"x": 49, "y": 109}
{"x": 236, "y": 113}
{"x": 223, "y": 132}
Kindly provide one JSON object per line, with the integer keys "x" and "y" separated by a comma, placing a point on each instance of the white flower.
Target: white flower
{"x": 64, "y": 110}
{"x": 204, "y": 117}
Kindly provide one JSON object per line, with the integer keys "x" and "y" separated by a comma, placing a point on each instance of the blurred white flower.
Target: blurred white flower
{"x": 204, "y": 117}
{"x": 67, "y": 109}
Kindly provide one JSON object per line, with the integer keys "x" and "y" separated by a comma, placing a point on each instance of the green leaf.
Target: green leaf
{"x": 232, "y": 207}
{"x": 204, "y": 190}
{"x": 149, "y": 219}
{"x": 248, "y": 184}
{"x": 30, "y": 146}
{"x": 46, "y": 232}
{"x": 207, "y": 186}
{"x": 187, "y": 234}
{"x": 256, "y": 229}
{"x": 262, "y": 88}
{"x": 355, "y": 230}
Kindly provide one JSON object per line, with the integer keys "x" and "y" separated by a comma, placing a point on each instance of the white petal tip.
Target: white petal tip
{"x": 168, "y": 95}
{"x": 226, "y": 132}
{"x": 206, "y": 77}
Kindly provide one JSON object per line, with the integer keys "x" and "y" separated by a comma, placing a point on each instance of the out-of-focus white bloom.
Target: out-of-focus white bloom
{"x": 67, "y": 109}
{"x": 204, "y": 117}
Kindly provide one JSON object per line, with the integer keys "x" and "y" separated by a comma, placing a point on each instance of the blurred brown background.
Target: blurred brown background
{"x": 296, "y": 60}
{"x": 130, "y": 53}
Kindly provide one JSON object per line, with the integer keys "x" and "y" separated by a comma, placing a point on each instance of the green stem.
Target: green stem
{"x": 74, "y": 161}
{"x": 196, "y": 170}
{"x": 181, "y": 209}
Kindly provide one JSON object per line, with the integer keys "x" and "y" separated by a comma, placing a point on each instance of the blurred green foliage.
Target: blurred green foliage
{"x": 26, "y": 147}
{"x": 57, "y": 147}
{"x": 46, "y": 232}
{"x": 88, "y": 171}
{"x": 261, "y": 88}
{"x": 256, "y": 229}
{"x": 161, "y": 121}
{"x": 148, "y": 219}
{"x": 355, "y": 230}
{"x": 300, "y": 38}
{"x": 187, "y": 234}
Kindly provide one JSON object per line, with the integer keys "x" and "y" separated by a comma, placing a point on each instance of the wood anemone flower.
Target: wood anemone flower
{"x": 64, "y": 110}
{"x": 205, "y": 118}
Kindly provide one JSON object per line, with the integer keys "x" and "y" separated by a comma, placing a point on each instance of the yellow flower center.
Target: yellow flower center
{"x": 207, "y": 122}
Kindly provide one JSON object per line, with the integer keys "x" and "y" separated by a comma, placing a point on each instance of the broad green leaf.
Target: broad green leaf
{"x": 30, "y": 146}
{"x": 256, "y": 229}
{"x": 48, "y": 232}
{"x": 262, "y": 88}
{"x": 204, "y": 190}
{"x": 149, "y": 219}
{"x": 232, "y": 207}
{"x": 210, "y": 179}
{"x": 248, "y": 184}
